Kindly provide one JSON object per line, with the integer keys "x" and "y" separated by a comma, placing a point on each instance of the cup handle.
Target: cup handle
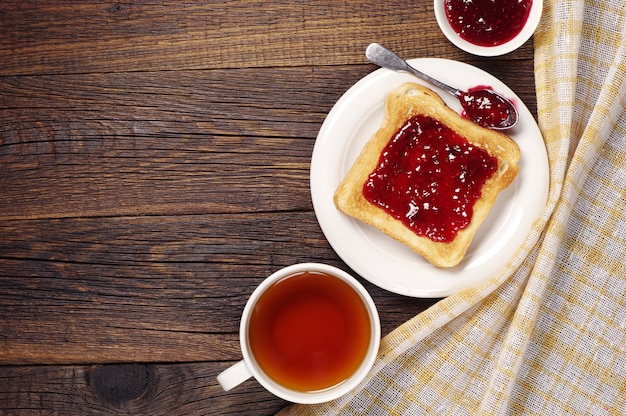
{"x": 234, "y": 375}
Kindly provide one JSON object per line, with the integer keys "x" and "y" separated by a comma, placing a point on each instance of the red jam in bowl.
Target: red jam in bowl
{"x": 429, "y": 177}
{"x": 487, "y": 22}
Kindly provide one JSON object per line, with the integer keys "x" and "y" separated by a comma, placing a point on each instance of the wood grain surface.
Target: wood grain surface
{"x": 154, "y": 168}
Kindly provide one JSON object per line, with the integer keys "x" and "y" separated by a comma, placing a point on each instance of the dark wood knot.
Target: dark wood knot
{"x": 117, "y": 384}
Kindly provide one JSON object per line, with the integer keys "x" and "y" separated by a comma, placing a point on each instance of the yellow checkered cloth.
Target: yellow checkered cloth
{"x": 548, "y": 336}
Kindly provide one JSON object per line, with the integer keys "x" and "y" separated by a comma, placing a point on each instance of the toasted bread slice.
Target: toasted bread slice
{"x": 501, "y": 154}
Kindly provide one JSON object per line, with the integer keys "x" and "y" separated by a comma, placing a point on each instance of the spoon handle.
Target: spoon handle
{"x": 383, "y": 57}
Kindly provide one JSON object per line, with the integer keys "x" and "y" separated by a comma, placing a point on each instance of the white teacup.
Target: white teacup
{"x": 309, "y": 333}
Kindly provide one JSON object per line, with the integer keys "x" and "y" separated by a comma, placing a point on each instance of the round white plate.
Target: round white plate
{"x": 377, "y": 257}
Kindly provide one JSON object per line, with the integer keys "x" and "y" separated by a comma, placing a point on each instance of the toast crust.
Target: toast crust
{"x": 402, "y": 104}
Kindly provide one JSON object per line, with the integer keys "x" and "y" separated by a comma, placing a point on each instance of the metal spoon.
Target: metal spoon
{"x": 482, "y": 105}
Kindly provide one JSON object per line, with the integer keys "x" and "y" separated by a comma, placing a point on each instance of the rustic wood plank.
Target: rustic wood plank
{"x": 145, "y": 289}
{"x": 120, "y": 145}
{"x": 38, "y": 37}
{"x": 142, "y": 389}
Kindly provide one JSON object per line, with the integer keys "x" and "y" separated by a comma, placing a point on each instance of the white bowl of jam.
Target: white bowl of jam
{"x": 488, "y": 27}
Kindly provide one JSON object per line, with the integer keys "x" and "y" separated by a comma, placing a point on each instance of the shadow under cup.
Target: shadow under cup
{"x": 310, "y": 333}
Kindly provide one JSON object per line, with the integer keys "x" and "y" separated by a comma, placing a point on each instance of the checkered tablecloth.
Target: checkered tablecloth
{"x": 548, "y": 336}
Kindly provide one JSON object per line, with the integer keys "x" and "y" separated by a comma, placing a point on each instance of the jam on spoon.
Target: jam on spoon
{"x": 482, "y": 105}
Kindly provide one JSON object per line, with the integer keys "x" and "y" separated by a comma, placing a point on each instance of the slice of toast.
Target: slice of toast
{"x": 412, "y": 198}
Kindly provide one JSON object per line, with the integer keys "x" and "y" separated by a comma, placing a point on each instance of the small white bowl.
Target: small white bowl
{"x": 527, "y": 31}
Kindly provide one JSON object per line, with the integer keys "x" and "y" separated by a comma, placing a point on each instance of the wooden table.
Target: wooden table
{"x": 154, "y": 168}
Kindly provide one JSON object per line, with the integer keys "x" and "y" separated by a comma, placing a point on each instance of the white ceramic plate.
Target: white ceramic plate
{"x": 377, "y": 257}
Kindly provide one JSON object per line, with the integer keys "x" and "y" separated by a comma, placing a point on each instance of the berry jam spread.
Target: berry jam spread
{"x": 483, "y": 108}
{"x": 487, "y": 22}
{"x": 429, "y": 177}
